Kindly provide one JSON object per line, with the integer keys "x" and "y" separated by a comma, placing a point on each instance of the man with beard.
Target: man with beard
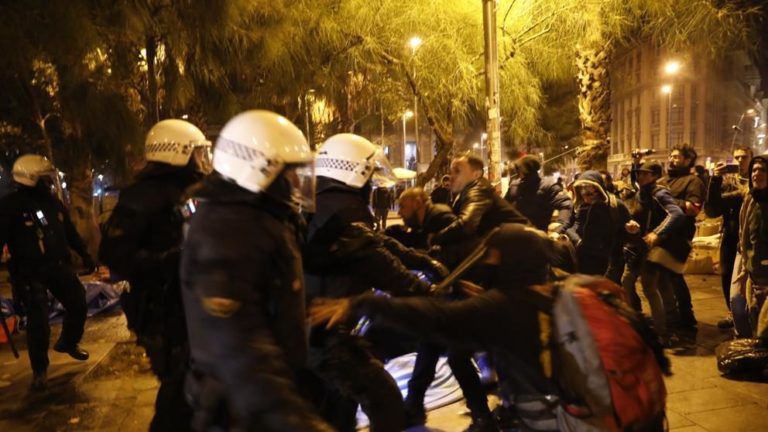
{"x": 142, "y": 244}
{"x": 689, "y": 193}
{"x": 724, "y": 198}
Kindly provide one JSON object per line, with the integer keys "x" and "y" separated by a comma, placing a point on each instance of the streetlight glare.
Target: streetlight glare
{"x": 415, "y": 42}
{"x": 666, "y": 88}
{"x": 408, "y": 114}
{"x": 476, "y": 146}
{"x": 672, "y": 67}
{"x": 485, "y": 135}
{"x": 750, "y": 111}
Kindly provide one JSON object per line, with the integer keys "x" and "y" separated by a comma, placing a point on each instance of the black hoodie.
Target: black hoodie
{"x": 597, "y": 230}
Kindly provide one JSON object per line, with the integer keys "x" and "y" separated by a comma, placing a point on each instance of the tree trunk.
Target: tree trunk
{"x": 153, "y": 112}
{"x": 593, "y": 78}
{"x": 81, "y": 208}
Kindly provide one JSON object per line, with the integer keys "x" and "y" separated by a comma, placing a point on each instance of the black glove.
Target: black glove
{"x": 438, "y": 269}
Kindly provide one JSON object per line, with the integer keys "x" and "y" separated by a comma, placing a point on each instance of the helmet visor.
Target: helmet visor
{"x": 50, "y": 181}
{"x": 302, "y": 179}
{"x": 203, "y": 157}
{"x": 383, "y": 174}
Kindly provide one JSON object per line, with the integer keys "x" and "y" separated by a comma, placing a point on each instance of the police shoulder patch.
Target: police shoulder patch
{"x": 220, "y": 307}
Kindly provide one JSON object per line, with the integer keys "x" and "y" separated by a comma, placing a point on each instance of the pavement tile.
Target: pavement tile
{"x": 757, "y": 391}
{"x": 677, "y": 420}
{"x": 747, "y": 418}
{"x": 706, "y": 399}
{"x": 683, "y": 382}
{"x": 693, "y": 428}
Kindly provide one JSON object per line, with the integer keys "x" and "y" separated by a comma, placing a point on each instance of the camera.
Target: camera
{"x": 732, "y": 168}
{"x": 642, "y": 152}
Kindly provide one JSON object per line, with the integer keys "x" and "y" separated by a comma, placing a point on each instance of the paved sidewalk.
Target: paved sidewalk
{"x": 115, "y": 391}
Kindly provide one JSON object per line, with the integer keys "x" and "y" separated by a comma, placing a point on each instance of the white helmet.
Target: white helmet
{"x": 352, "y": 160}
{"x": 174, "y": 141}
{"x": 29, "y": 168}
{"x": 255, "y": 146}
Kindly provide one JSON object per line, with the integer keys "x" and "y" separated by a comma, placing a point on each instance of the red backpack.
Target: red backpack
{"x": 607, "y": 361}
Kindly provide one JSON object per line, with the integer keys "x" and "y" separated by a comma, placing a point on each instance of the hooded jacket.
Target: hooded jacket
{"x": 537, "y": 199}
{"x": 753, "y": 230}
{"x": 597, "y": 230}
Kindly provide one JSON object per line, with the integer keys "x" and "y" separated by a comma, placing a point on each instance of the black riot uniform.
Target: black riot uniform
{"x": 345, "y": 257}
{"x": 38, "y": 231}
{"x": 141, "y": 243}
{"x": 243, "y": 291}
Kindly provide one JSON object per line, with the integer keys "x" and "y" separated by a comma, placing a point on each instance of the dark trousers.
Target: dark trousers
{"x": 172, "y": 412}
{"x": 462, "y": 368}
{"x": 728, "y": 250}
{"x": 62, "y": 282}
{"x": 683, "y": 296}
{"x": 353, "y": 373}
{"x": 381, "y": 218}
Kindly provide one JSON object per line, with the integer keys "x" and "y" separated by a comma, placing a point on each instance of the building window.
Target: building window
{"x": 677, "y": 115}
{"x": 655, "y": 116}
{"x": 655, "y": 140}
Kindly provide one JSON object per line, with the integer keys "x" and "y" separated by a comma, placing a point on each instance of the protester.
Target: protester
{"x": 753, "y": 240}
{"x": 657, "y": 242}
{"x": 689, "y": 193}
{"x": 381, "y": 203}
{"x": 597, "y": 230}
{"x": 724, "y": 198}
{"x": 537, "y": 198}
{"x": 442, "y": 193}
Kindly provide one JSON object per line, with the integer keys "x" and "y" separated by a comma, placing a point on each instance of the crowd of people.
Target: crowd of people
{"x": 229, "y": 251}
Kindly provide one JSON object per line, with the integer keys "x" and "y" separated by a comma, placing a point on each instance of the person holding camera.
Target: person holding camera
{"x": 727, "y": 188}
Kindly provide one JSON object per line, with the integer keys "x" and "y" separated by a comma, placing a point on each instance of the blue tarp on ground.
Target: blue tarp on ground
{"x": 99, "y": 297}
{"x": 443, "y": 391}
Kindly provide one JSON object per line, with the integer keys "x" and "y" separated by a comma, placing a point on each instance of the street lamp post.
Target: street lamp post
{"x": 415, "y": 42}
{"x": 671, "y": 68}
{"x": 667, "y": 89}
{"x": 406, "y": 115}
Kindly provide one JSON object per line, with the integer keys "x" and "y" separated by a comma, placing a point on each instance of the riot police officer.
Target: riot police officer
{"x": 38, "y": 231}
{"x": 343, "y": 257}
{"x": 242, "y": 281}
{"x": 141, "y": 243}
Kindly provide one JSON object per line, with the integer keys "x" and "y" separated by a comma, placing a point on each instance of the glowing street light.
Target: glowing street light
{"x": 672, "y": 67}
{"x": 666, "y": 89}
{"x": 415, "y": 42}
